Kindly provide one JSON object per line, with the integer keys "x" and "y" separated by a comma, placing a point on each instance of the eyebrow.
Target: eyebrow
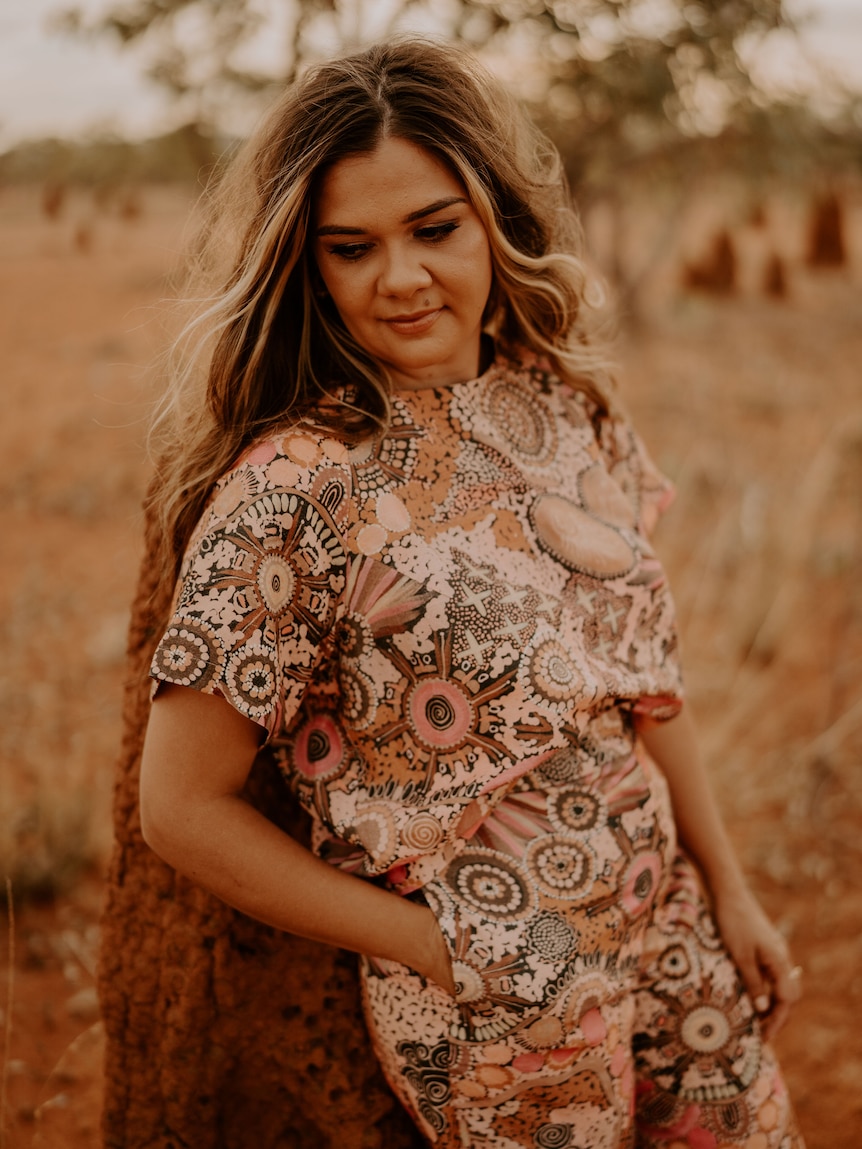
{"x": 438, "y": 205}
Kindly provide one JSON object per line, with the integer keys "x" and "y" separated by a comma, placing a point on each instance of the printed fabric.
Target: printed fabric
{"x": 447, "y": 633}
{"x": 421, "y": 620}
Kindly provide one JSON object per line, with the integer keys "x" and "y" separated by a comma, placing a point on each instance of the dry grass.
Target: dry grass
{"x": 753, "y": 405}
{"x": 76, "y": 330}
{"x": 7, "y": 1011}
{"x": 744, "y": 401}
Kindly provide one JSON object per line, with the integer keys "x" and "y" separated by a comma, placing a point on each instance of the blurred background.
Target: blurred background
{"x": 714, "y": 148}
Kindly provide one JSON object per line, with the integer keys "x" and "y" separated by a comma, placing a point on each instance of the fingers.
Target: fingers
{"x": 786, "y": 989}
{"x": 753, "y": 976}
{"x": 763, "y": 961}
{"x": 775, "y": 1020}
{"x": 762, "y": 985}
{"x": 789, "y": 987}
{"x": 786, "y": 994}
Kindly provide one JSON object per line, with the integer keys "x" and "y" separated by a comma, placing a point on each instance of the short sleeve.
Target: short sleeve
{"x": 257, "y": 596}
{"x": 650, "y": 493}
{"x": 628, "y": 461}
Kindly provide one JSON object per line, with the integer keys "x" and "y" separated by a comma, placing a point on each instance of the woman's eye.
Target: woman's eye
{"x": 351, "y": 251}
{"x": 436, "y": 232}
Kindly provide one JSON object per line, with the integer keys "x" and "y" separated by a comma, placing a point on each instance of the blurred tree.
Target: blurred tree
{"x": 622, "y": 77}
{"x": 222, "y": 59}
{"x": 626, "y": 88}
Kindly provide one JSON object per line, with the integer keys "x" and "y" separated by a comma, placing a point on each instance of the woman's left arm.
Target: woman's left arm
{"x": 756, "y": 946}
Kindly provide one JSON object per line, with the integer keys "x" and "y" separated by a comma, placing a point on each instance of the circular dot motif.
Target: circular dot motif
{"x": 441, "y": 716}
{"x": 276, "y": 582}
{"x": 705, "y": 1029}
{"x": 318, "y": 751}
{"x": 491, "y": 883}
{"x": 553, "y": 673}
{"x": 188, "y": 655}
{"x": 562, "y": 869}
{"x": 552, "y": 937}
{"x": 252, "y": 681}
{"x": 522, "y": 420}
{"x": 577, "y": 810}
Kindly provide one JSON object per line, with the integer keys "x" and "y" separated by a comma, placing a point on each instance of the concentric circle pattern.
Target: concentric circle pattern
{"x": 492, "y": 883}
{"x": 522, "y": 420}
{"x": 189, "y": 654}
{"x": 561, "y": 868}
{"x": 440, "y": 713}
{"x": 253, "y": 680}
{"x": 705, "y": 1029}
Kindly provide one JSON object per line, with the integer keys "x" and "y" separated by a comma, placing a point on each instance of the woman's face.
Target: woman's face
{"x": 407, "y": 262}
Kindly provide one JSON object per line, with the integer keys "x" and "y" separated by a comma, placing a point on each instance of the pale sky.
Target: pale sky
{"x": 51, "y": 85}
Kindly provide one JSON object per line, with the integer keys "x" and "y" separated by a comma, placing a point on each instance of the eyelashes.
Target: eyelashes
{"x": 434, "y": 234}
{"x": 350, "y": 251}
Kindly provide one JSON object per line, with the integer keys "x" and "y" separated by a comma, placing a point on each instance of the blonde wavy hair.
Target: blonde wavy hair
{"x": 264, "y": 349}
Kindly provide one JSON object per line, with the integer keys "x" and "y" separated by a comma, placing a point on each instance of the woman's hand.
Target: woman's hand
{"x": 197, "y": 755}
{"x": 438, "y": 965}
{"x": 753, "y": 942}
{"x": 761, "y": 955}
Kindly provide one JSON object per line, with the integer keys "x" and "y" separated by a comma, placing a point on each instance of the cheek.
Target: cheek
{"x": 477, "y": 272}
{"x": 479, "y": 258}
{"x": 346, "y": 290}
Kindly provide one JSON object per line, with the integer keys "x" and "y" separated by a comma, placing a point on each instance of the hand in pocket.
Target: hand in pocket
{"x": 439, "y": 964}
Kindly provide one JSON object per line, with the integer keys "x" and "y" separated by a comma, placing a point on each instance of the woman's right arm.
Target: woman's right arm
{"x": 197, "y": 756}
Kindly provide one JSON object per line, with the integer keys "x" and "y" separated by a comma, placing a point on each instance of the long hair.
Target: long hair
{"x": 264, "y": 348}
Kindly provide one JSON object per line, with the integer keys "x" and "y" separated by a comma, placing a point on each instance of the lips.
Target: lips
{"x": 414, "y": 324}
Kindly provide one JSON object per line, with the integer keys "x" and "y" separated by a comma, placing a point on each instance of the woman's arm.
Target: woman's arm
{"x": 197, "y": 756}
{"x": 756, "y": 946}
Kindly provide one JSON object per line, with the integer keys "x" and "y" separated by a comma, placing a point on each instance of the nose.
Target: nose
{"x": 402, "y": 273}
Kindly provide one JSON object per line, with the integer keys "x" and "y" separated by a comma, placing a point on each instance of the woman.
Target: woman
{"x": 410, "y": 526}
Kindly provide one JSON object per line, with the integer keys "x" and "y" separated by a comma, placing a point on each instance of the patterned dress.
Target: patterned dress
{"x": 447, "y": 634}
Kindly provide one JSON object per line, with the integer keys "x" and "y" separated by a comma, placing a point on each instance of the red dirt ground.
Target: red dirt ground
{"x": 753, "y": 406}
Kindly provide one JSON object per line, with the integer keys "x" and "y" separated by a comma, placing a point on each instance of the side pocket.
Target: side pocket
{"x": 488, "y": 1004}
{"x": 411, "y": 1020}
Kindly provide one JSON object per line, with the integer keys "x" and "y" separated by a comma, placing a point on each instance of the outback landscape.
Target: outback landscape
{"x": 740, "y": 360}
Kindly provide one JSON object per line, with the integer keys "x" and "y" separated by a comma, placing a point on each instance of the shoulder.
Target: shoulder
{"x": 629, "y": 462}
{"x": 299, "y": 462}
{"x": 533, "y": 378}
{"x": 288, "y": 493}
{"x": 613, "y": 437}
{"x": 522, "y": 365}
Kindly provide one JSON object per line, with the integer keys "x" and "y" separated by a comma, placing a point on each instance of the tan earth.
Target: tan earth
{"x": 752, "y": 405}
